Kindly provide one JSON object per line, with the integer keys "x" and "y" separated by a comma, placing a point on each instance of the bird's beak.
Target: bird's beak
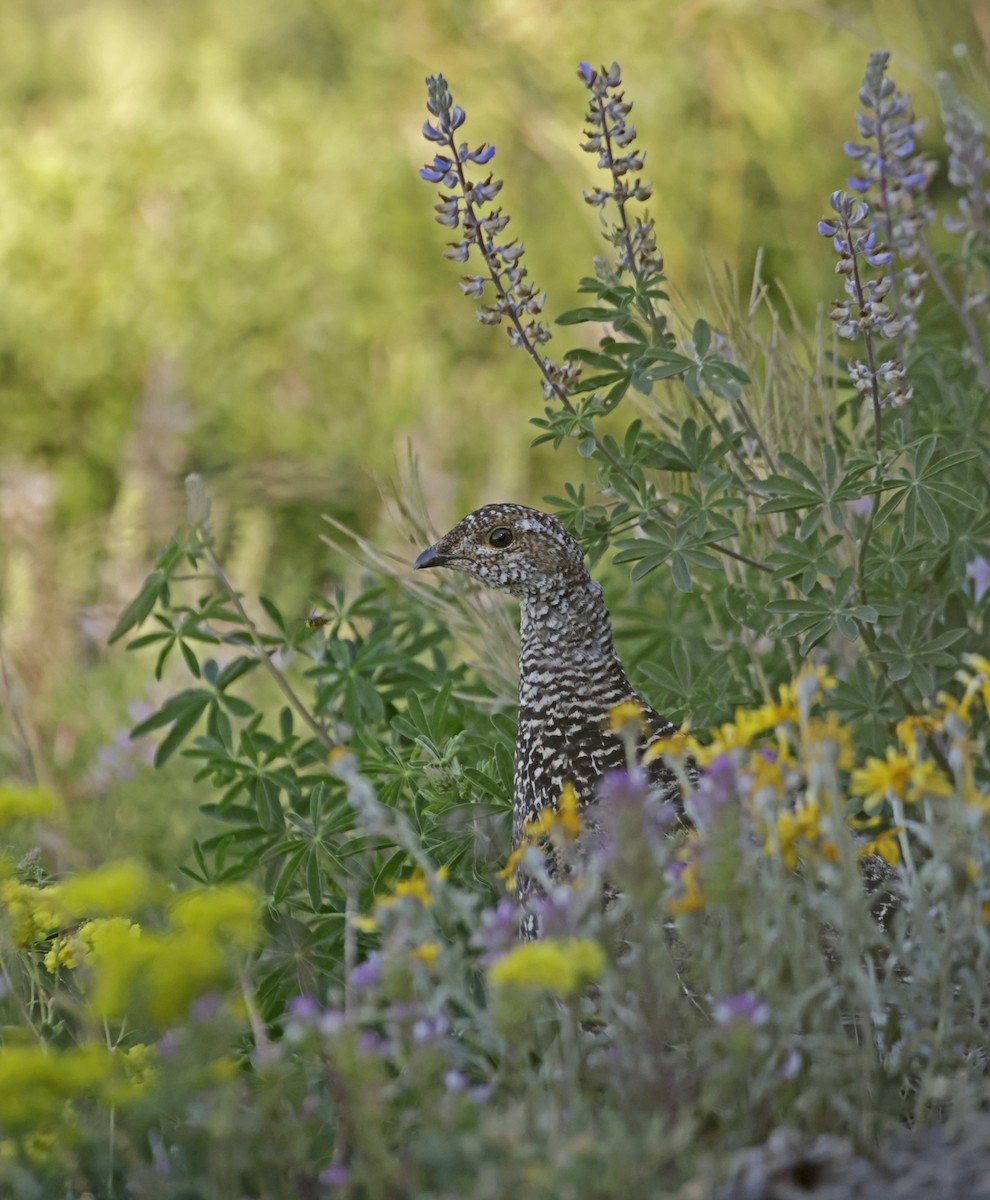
{"x": 431, "y": 557}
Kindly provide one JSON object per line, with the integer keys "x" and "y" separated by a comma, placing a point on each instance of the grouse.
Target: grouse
{"x": 570, "y": 677}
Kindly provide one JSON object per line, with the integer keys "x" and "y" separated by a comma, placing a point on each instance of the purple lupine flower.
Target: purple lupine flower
{"x": 331, "y": 1021}
{"x": 716, "y": 793}
{"x": 744, "y": 1007}
{"x": 499, "y": 929}
{"x": 335, "y": 1176}
{"x": 368, "y": 973}
{"x": 428, "y": 1029}
{"x": 553, "y": 912}
{"x": 462, "y": 207}
{"x": 373, "y": 1043}
{"x": 897, "y": 176}
{"x": 978, "y": 570}
{"x": 968, "y": 164}
{"x": 610, "y": 137}
{"x": 205, "y": 1008}
{"x": 864, "y": 314}
{"x": 304, "y": 1009}
{"x": 630, "y": 808}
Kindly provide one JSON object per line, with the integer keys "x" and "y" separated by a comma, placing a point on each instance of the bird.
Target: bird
{"x": 570, "y": 677}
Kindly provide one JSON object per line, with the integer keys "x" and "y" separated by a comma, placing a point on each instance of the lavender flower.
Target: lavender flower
{"x": 717, "y": 788}
{"x": 608, "y": 136}
{"x": 631, "y": 810}
{"x": 743, "y": 1007}
{"x": 499, "y": 930}
{"x": 898, "y": 176}
{"x": 368, "y": 973}
{"x": 968, "y": 165}
{"x": 335, "y": 1176}
{"x": 462, "y": 207}
{"x": 864, "y": 314}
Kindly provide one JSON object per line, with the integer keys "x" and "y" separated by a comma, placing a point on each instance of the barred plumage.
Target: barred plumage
{"x": 570, "y": 676}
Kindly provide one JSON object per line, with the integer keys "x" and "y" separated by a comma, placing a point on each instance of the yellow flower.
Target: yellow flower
{"x": 33, "y": 913}
{"x": 18, "y": 803}
{"x": 885, "y": 845}
{"x": 364, "y": 924}
{"x": 629, "y": 712}
{"x": 35, "y": 1082}
{"x": 229, "y": 914}
{"x": 897, "y": 775}
{"x": 426, "y": 952}
{"x": 679, "y": 744}
{"x": 914, "y": 729}
{"x": 568, "y": 816}
{"x": 797, "y": 834}
{"x": 508, "y": 872}
{"x": 558, "y": 965}
{"x": 691, "y": 897}
{"x": 415, "y": 887}
{"x": 115, "y": 889}
{"x": 825, "y": 739}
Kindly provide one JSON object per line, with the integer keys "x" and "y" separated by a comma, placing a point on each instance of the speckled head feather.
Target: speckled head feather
{"x": 510, "y": 548}
{"x": 570, "y": 677}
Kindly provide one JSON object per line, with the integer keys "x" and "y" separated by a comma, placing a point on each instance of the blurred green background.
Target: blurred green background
{"x": 216, "y": 254}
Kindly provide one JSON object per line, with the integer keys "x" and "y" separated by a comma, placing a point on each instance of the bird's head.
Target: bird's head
{"x": 510, "y": 548}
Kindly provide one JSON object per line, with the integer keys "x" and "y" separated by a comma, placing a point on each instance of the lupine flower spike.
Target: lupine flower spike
{"x": 462, "y": 207}
{"x": 896, "y": 176}
{"x": 610, "y": 137}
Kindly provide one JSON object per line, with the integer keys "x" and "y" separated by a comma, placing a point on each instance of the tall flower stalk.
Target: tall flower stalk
{"x": 610, "y": 137}
{"x": 462, "y": 207}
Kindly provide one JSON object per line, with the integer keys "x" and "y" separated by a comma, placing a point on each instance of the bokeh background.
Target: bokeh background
{"x": 216, "y": 255}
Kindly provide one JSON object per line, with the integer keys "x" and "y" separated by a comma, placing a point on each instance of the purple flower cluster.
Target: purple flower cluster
{"x": 610, "y": 137}
{"x": 461, "y": 207}
{"x": 968, "y": 165}
{"x": 897, "y": 176}
{"x": 744, "y": 1007}
{"x": 864, "y": 313}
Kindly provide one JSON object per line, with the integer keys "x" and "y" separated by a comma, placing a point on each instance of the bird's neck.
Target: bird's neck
{"x": 566, "y": 642}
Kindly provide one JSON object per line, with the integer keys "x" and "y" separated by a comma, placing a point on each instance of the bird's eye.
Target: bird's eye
{"x": 500, "y": 538}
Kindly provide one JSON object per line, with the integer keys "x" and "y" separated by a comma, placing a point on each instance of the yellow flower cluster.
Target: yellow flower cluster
{"x": 156, "y": 974}
{"x": 798, "y": 834}
{"x": 23, "y": 803}
{"x": 127, "y": 970}
{"x": 976, "y": 681}
{"x": 899, "y": 775}
{"x": 564, "y": 821}
{"x": 37, "y": 1081}
{"x": 415, "y": 887}
{"x": 558, "y": 965}
{"x": 35, "y": 912}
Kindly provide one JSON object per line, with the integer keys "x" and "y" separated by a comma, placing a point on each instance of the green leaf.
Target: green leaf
{"x": 578, "y": 316}
{"x": 192, "y": 662}
{"x": 180, "y": 730}
{"x": 272, "y": 609}
{"x": 314, "y": 879}
{"x": 702, "y": 337}
{"x": 140, "y": 606}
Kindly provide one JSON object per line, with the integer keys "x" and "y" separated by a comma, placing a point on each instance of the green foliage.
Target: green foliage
{"x": 336, "y": 1004}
